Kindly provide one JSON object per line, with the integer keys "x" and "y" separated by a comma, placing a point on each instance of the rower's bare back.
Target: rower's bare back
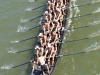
{"x": 41, "y": 60}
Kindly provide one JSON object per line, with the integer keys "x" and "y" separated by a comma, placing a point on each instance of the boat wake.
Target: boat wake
{"x": 93, "y": 47}
{"x": 95, "y": 1}
{"x": 6, "y": 67}
{"x": 31, "y": 0}
{"x": 76, "y": 9}
{"x": 98, "y": 10}
{"x": 21, "y": 29}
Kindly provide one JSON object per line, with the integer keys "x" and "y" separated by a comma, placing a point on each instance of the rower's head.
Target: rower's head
{"x": 37, "y": 47}
{"x": 40, "y": 35}
{"x": 49, "y": 2}
{"x": 57, "y": 10}
{"x": 46, "y": 13}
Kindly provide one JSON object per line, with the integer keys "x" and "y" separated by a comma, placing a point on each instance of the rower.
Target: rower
{"x": 42, "y": 39}
{"x": 48, "y": 16}
{"x": 41, "y": 61}
{"x": 39, "y": 50}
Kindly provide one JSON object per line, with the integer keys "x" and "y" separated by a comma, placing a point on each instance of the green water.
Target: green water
{"x": 14, "y": 16}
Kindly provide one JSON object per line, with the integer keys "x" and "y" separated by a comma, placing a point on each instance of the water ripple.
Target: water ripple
{"x": 31, "y": 0}
{"x": 6, "y": 67}
{"x": 93, "y": 47}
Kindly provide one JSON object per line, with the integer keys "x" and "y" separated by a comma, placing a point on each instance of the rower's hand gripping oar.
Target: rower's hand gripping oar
{"x": 56, "y": 56}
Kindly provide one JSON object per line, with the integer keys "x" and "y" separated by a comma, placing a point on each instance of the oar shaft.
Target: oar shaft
{"x": 39, "y": 7}
{"x": 27, "y": 39}
{"x": 77, "y": 40}
{"x": 35, "y": 17}
{"x": 34, "y": 27}
{"x": 21, "y": 64}
{"x": 24, "y": 50}
{"x": 78, "y": 16}
{"x": 70, "y": 54}
{"x": 81, "y": 5}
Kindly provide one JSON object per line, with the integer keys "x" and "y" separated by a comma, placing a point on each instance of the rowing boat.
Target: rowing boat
{"x": 37, "y": 69}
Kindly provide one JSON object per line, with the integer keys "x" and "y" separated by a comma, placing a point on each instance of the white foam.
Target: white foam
{"x": 28, "y": 9}
{"x": 76, "y": 9}
{"x": 6, "y": 66}
{"x": 24, "y": 20}
{"x": 14, "y": 41}
{"x": 31, "y": 0}
{"x": 93, "y": 47}
{"x": 11, "y": 50}
{"x": 95, "y": 1}
{"x": 98, "y": 10}
{"x": 95, "y": 34}
{"x": 21, "y": 29}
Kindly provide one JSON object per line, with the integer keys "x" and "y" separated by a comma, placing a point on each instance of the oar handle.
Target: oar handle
{"x": 21, "y": 64}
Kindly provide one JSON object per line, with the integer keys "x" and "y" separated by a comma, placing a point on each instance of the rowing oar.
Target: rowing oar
{"x": 35, "y": 18}
{"x": 74, "y": 40}
{"x": 59, "y": 42}
{"x": 71, "y": 54}
{"x": 78, "y": 16}
{"x": 80, "y": 5}
{"x": 68, "y": 7}
{"x": 20, "y": 65}
{"x": 24, "y": 50}
{"x": 56, "y": 56}
{"x": 34, "y": 27}
{"x": 65, "y": 19}
{"x": 26, "y": 39}
{"x": 38, "y": 7}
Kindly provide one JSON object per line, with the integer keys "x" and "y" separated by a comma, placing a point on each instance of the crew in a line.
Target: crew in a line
{"x": 50, "y": 36}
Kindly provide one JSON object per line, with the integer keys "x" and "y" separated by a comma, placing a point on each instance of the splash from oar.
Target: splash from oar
{"x": 11, "y": 50}
{"x": 6, "y": 67}
{"x": 98, "y": 10}
{"x": 24, "y": 20}
{"x": 31, "y": 0}
{"x": 95, "y": 34}
{"x": 92, "y": 47}
{"x": 21, "y": 29}
{"x": 29, "y": 9}
{"x": 95, "y": 1}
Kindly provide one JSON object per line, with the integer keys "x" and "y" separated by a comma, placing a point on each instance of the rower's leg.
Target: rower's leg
{"x": 48, "y": 69}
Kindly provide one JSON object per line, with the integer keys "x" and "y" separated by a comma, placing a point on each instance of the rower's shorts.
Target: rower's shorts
{"x": 44, "y": 67}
